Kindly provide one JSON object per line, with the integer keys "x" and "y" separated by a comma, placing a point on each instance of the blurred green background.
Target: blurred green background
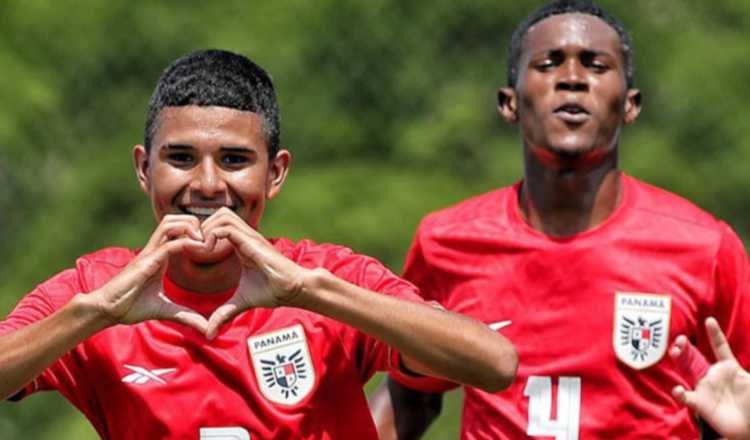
{"x": 388, "y": 107}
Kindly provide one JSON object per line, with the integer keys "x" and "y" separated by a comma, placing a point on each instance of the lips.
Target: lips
{"x": 572, "y": 113}
{"x": 202, "y": 212}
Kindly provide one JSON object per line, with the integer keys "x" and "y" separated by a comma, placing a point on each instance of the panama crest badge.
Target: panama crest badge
{"x": 641, "y": 330}
{"x": 282, "y": 364}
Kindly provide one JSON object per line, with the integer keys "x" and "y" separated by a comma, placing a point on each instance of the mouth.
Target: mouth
{"x": 202, "y": 212}
{"x": 572, "y": 113}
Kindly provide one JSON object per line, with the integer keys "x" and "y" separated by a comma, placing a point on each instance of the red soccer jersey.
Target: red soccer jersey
{"x": 280, "y": 373}
{"x": 591, "y": 315}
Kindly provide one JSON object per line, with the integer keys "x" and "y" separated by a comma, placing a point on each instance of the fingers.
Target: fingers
{"x": 161, "y": 253}
{"x": 719, "y": 343}
{"x": 684, "y": 396}
{"x": 175, "y": 226}
{"x": 225, "y": 217}
{"x": 148, "y": 264}
{"x": 236, "y": 236}
{"x": 690, "y": 361}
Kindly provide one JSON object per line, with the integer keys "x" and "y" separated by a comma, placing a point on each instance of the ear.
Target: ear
{"x": 277, "y": 171}
{"x": 632, "y": 106}
{"x": 507, "y": 104}
{"x": 141, "y": 163}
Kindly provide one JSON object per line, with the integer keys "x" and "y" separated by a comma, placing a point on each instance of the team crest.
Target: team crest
{"x": 641, "y": 329}
{"x": 282, "y": 364}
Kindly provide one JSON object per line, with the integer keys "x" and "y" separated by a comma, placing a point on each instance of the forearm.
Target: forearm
{"x": 431, "y": 340}
{"x": 26, "y": 352}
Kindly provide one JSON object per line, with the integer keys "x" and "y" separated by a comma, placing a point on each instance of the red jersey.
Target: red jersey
{"x": 591, "y": 315}
{"x": 270, "y": 374}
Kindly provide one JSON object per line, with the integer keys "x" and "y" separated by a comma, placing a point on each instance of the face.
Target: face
{"x": 571, "y": 98}
{"x": 205, "y": 158}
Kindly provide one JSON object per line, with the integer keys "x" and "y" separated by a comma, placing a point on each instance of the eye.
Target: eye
{"x": 599, "y": 67}
{"x": 180, "y": 158}
{"x": 598, "y": 63}
{"x": 234, "y": 159}
{"x": 544, "y": 65}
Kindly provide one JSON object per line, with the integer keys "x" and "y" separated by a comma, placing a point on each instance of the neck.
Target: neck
{"x": 204, "y": 278}
{"x": 566, "y": 200}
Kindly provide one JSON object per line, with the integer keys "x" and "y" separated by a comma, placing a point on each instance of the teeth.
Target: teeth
{"x": 197, "y": 210}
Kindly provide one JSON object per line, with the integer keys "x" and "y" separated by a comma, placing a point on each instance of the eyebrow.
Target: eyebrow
{"x": 237, "y": 149}
{"x": 177, "y": 146}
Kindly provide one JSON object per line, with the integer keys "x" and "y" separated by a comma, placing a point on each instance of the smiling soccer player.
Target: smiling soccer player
{"x": 213, "y": 331}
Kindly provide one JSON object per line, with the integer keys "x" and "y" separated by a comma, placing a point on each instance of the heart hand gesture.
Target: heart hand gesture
{"x": 136, "y": 294}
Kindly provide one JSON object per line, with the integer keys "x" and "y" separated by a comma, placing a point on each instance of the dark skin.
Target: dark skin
{"x": 570, "y": 103}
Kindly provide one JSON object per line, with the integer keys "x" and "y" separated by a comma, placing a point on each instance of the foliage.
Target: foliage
{"x": 388, "y": 107}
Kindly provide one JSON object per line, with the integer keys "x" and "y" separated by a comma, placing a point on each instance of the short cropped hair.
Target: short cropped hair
{"x": 216, "y": 78}
{"x": 569, "y": 7}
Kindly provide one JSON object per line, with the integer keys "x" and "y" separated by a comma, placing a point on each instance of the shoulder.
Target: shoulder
{"x": 657, "y": 214}
{"x": 359, "y": 269}
{"x": 671, "y": 210}
{"x": 96, "y": 268}
{"x": 308, "y": 253}
{"x": 491, "y": 205}
{"x": 91, "y": 271}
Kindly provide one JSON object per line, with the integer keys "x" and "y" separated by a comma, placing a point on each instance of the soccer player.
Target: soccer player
{"x": 587, "y": 270}
{"x": 212, "y": 331}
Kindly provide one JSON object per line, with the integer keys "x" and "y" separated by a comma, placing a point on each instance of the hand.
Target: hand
{"x": 268, "y": 279}
{"x": 722, "y": 396}
{"x": 136, "y": 294}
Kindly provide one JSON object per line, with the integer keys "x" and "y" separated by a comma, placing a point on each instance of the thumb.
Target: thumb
{"x": 685, "y": 397}
{"x": 181, "y": 314}
{"x": 221, "y": 316}
{"x": 690, "y": 361}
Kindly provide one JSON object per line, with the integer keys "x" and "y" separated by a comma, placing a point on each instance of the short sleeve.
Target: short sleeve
{"x": 35, "y": 306}
{"x": 370, "y": 354}
{"x": 418, "y": 271}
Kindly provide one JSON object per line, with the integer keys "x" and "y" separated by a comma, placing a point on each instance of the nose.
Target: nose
{"x": 572, "y": 77}
{"x": 208, "y": 181}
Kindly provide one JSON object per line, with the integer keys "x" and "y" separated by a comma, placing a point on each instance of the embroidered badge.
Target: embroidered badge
{"x": 641, "y": 330}
{"x": 282, "y": 364}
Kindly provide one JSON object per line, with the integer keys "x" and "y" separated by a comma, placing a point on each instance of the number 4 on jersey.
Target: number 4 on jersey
{"x": 539, "y": 391}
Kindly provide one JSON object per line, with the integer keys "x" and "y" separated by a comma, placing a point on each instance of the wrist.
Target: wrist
{"x": 308, "y": 289}
{"x": 88, "y": 309}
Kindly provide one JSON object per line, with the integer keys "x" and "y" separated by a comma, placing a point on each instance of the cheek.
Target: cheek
{"x": 166, "y": 184}
{"x": 613, "y": 99}
{"x": 613, "y": 112}
{"x": 249, "y": 189}
{"x": 529, "y": 113}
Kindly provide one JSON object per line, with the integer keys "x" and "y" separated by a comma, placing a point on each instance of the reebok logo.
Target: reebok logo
{"x": 141, "y": 376}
